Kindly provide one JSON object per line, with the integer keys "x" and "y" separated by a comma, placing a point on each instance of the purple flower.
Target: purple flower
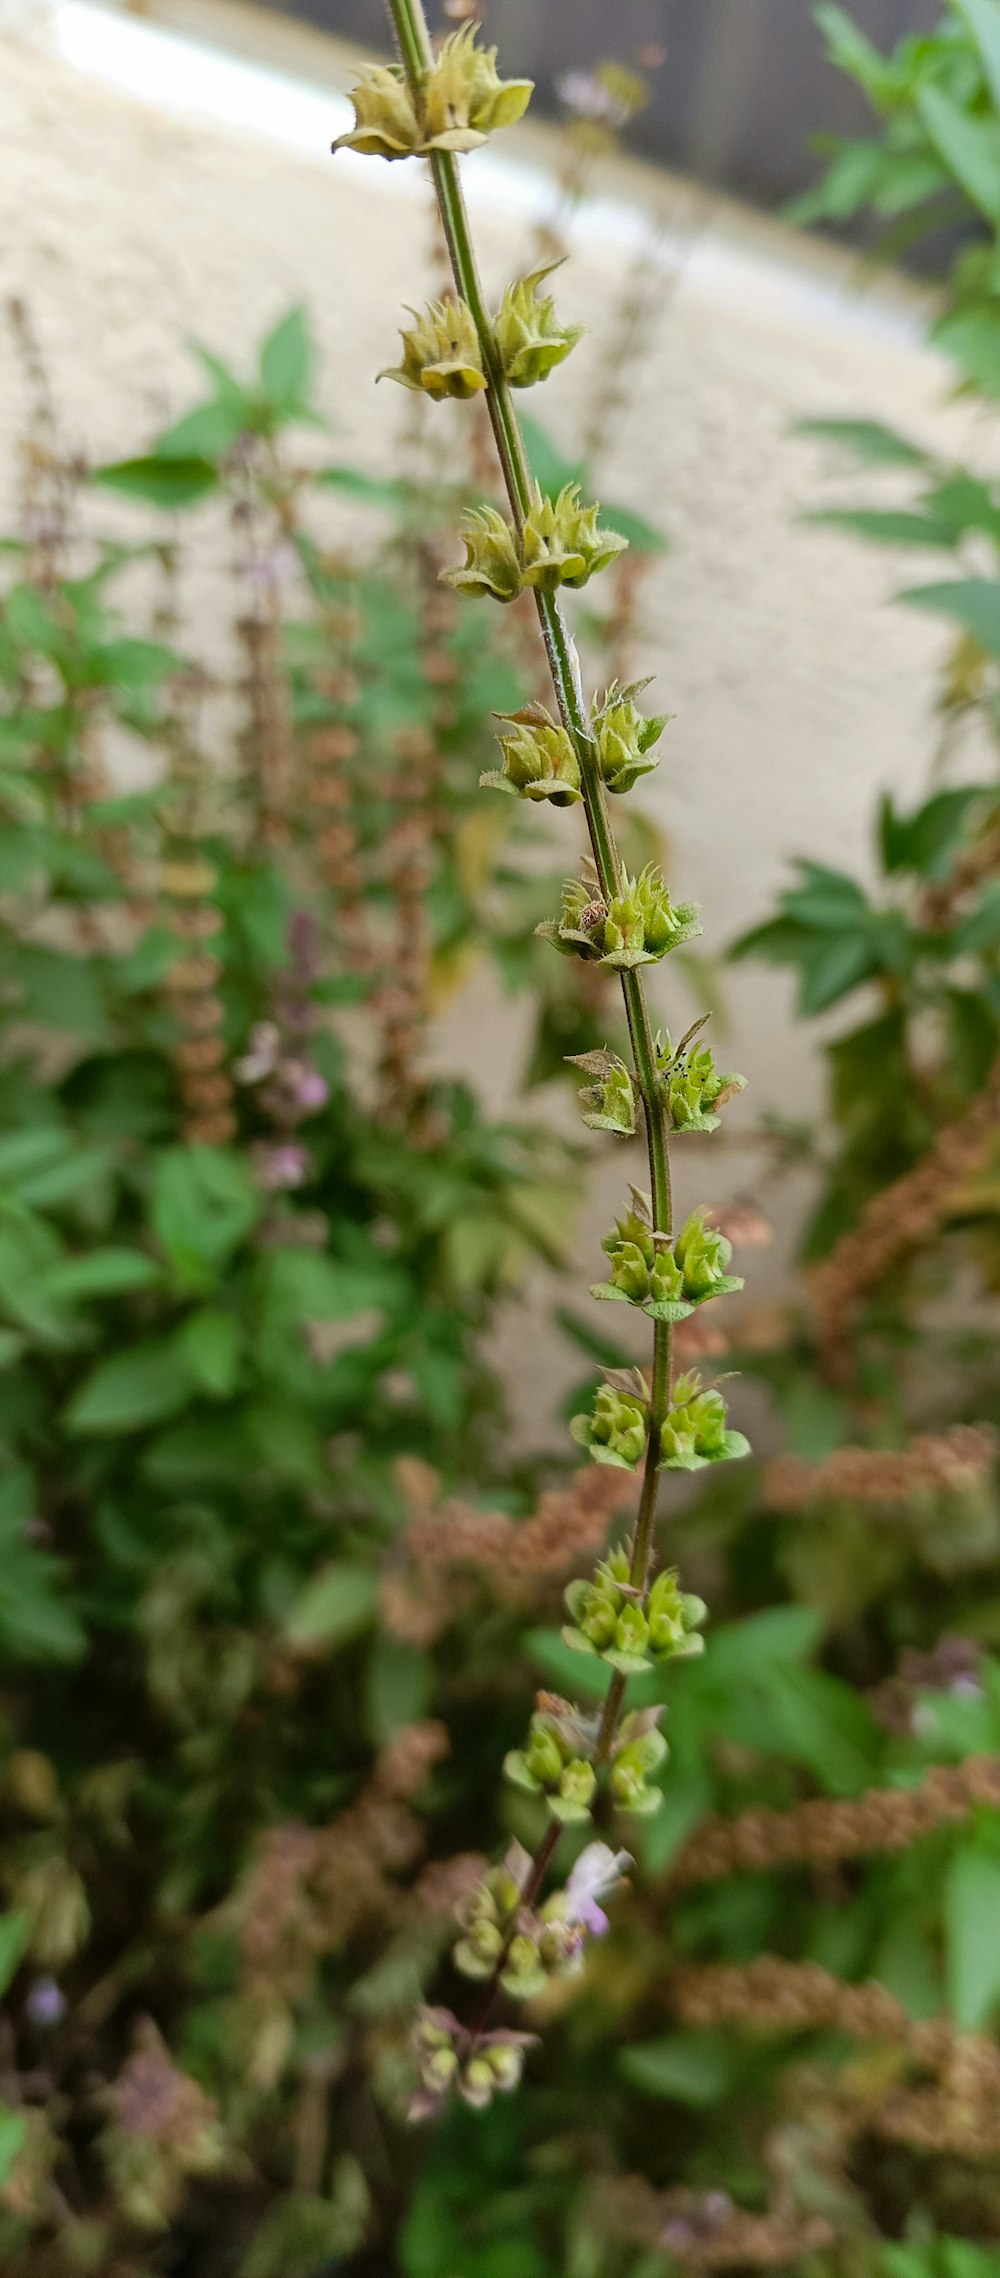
{"x": 307, "y": 1087}
{"x": 282, "y": 1166}
{"x": 598, "y": 1870}
{"x": 46, "y": 2002}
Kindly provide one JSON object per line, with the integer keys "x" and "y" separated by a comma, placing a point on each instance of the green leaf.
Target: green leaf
{"x": 550, "y": 469}
{"x": 868, "y": 439}
{"x": 695, "y": 2068}
{"x": 970, "y": 147}
{"x": 210, "y": 1343}
{"x": 849, "y": 49}
{"x": 335, "y": 1606}
{"x": 101, "y": 1273}
{"x": 832, "y": 969}
{"x": 13, "y": 2130}
{"x": 159, "y": 481}
{"x": 15, "y": 1930}
{"x": 400, "y": 1687}
{"x": 972, "y": 602}
{"x": 972, "y": 1937}
{"x": 145, "y": 1384}
{"x": 204, "y": 1204}
{"x": 888, "y": 527}
{"x": 369, "y": 490}
{"x": 643, "y": 536}
{"x": 286, "y": 362}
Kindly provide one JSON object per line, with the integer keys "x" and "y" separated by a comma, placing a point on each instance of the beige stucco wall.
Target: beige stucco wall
{"x": 797, "y": 691}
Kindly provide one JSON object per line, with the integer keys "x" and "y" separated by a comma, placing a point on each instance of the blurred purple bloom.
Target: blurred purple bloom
{"x": 282, "y": 1166}
{"x": 305, "y": 1085}
{"x": 46, "y": 2003}
{"x": 598, "y": 1870}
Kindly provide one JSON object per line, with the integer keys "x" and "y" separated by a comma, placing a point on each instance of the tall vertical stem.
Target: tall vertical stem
{"x": 416, "y": 52}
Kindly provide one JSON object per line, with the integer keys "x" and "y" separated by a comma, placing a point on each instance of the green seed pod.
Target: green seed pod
{"x": 440, "y": 352}
{"x": 539, "y": 761}
{"x": 703, "y": 1255}
{"x": 615, "y": 1431}
{"x": 609, "y": 1103}
{"x": 696, "y": 1430}
{"x": 562, "y": 543}
{"x": 543, "y": 1755}
{"x": 385, "y": 122}
{"x": 631, "y": 1631}
{"x": 530, "y": 340}
{"x": 625, "y": 737}
{"x": 464, "y": 98}
{"x": 693, "y": 1087}
{"x": 492, "y": 564}
{"x": 578, "y": 1783}
{"x": 638, "y": 926}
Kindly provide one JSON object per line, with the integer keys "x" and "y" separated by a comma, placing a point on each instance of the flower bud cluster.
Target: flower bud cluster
{"x": 560, "y": 543}
{"x": 522, "y": 1946}
{"x": 639, "y": 925}
{"x": 631, "y": 1628}
{"x": 462, "y": 102}
{"x": 556, "y": 1761}
{"x": 478, "y": 2066}
{"x": 616, "y": 1429}
{"x": 441, "y": 355}
{"x": 609, "y": 1103}
{"x": 692, "y": 1086}
{"x": 530, "y": 340}
{"x": 665, "y": 1279}
{"x": 639, "y": 1750}
{"x": 624, "y": 736}
{"x": 539, "y": 761}
{"x": 696, "y": 1430}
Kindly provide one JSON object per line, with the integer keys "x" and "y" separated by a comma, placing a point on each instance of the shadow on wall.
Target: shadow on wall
{"x": 744, "y": 87}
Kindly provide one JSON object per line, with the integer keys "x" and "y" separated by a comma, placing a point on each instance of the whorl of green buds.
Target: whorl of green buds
{"x": 639, "y": 1750}
{"x": 703, "y": 1254}
{"x": 639, "y": 925}
{"x": 530, "y": 340}
{"x": 539, "y": 761}
{"x": 559, "y": 544}
{"x": 624, "y": 736}
{"x": 693, "y": 1088}
{"x": 615, "y": 1431}
{"x": 463, "y": 100}
{"x": 552, "y": 1765}
{"x": 644, "y": 1269}
{"x": 609, "y": 1103}
{"x": 696, "y": 1430}
{"x": 479, "y": 2065}
{"x": 630, "y": 1629}
{"x": 440, "y": 352}
{"x": 562, "y": 542}
{"x": 486, "y": 1918}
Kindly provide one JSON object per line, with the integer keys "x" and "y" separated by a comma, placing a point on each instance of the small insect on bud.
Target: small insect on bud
{"x": 530, "y": 340}
{"x": 539, "y": 761}
{"x": 440, "y": 352}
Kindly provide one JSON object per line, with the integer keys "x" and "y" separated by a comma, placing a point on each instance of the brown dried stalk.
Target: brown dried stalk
{"x": 823, "y": 1830}
{"x": 951, "y": 1461}
{"x": 186, "y": 882}
{"x": 899, "y": 1220}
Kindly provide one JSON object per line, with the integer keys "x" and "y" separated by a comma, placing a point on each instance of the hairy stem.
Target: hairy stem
{"x": 415, "y": 50}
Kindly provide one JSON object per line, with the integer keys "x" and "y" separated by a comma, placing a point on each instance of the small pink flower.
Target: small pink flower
{"x": 282, "y": 1166}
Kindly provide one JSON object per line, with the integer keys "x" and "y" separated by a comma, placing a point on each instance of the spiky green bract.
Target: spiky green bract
{"x": 530, "y": 340}
{"x": 625, "y": 736}
{"x": 440, "y": 352}
{"x": 637, "y": 926}
{"x": 539, "y": 761}
{"x": 616, "y": 1429}
{"x": 630, "y": 1628}
{"x": 462, "y": 102}
{"x": 693, "y": 1088}
{"x": 696, "y": 1431}
{"x": 608, "y": 1104}
{"x": 560, "y": 543}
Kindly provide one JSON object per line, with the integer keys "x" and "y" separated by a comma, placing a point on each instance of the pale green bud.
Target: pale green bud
{"x": 638, "y": 926}
{"x": 464, "y": 98}
{"x": 385, "y": 122}
{"x": 438, "y": 2070}
{"x": 530, "y": 340}
{"x": 492, "y": 563}
{"x": 615, "y": 1431}
{"x": 506, "y": 2063}
{"x": 477, "y": 2083}
{"x": 578, "y": 1783}
{"x": 625, "y": 737}
{"x": 440, "y": 352}
{"x": 696, "y": 1430}
{"x": 703, "y": 1255}
{"x": 543, "y": 1754}
{"x": 631, "y": 1631}
{"x": 562, "y": 543}
{"x": 694, "y": 1089}
{"x": 539, "y": 761}
{"x": 608, "y": 1104}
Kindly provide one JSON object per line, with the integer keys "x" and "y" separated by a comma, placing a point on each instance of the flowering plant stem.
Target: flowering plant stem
{"x": 417, "y": 57}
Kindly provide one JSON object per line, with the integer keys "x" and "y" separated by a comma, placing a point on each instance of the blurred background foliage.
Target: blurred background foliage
{"x": 275, "y": 1598}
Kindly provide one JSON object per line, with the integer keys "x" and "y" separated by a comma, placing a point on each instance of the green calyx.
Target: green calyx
{"x": 530, "y": 340}
{"x": 615, "y": 1431}
{"x": 539, "y": 761}
{"x": 551, "y": 1764}
{"x": 560, "y": 543}
{"x": 633, "y": 1630}
{"x": 462, "y": 102}
{"x": 695, "y": 1431}
{"x": 624, "y": 737}
{"x": 693, "y": 1088}
{"x": 639, "y": 1751}
{"x": 608, "y": 1104}
{"x": 485, "y": 1919}
{"x": 639, "y": 925}
{"x": 440, "y": 352}
{"x": 666, "y": 1280}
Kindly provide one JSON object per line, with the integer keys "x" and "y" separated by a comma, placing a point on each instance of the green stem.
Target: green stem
{"x": 415, "y": 49}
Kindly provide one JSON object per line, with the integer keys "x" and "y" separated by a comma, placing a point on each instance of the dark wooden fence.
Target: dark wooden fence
{"x": 744, "y": 86}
